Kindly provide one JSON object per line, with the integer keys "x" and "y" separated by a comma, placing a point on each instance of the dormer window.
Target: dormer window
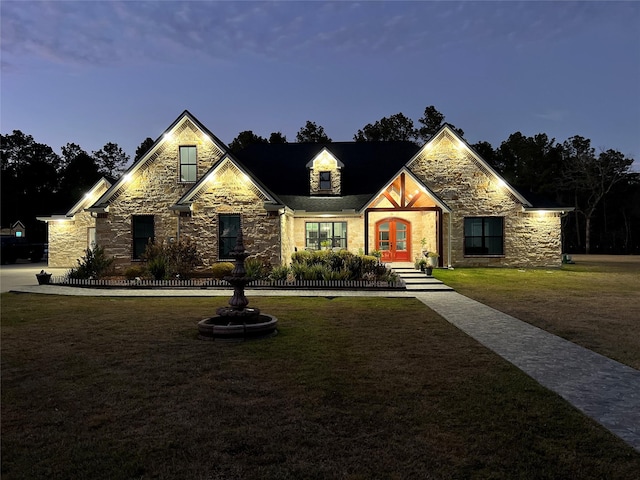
{"x": 188, "y": 170}
{"x": 325, "y": 176}
{"x": 325, "y": 181}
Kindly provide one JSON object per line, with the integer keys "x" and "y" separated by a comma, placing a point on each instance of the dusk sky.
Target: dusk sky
{"x": 93, "y": 72}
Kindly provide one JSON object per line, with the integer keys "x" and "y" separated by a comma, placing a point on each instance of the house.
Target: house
{"x": 70, "y": 235}
{"x": 387, "y": 196}
{"x": 17, "y": 229}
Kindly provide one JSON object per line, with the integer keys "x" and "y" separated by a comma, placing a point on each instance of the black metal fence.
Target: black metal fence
{"x": 212, "y": 283}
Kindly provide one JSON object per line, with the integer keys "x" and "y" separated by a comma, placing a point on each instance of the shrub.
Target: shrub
{"x": 134, "y": 271}
{"x": 341, "y": 265}
{"x": 167, "y": 260}
{"x": 302, "y": 257}
{"x": 256, "y": 268}
{"x": 94, "y": 264}
{"x": 335, "y": 275}
{"x": 183, "y": 258}
{"x": 315, "y": 272}
{"x": 157, "y": 267}
{"x": 299, "y": 270}
{"x": 320, "y": 257}
{"x": 279, "y": 273}
{"x": 221, "y": 269}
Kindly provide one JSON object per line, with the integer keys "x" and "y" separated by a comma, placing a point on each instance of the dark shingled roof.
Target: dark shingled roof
{"x": 368, "y": 166}
{"x": 326, "y": 204}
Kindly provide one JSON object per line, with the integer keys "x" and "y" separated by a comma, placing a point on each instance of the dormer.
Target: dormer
{"x": 325, "y": 174}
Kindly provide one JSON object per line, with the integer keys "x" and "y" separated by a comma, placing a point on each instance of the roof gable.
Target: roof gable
{"x": 225, "y": 170}
{"x": 88, "y": 199}
{"x": 100, "y": 187}
{"x": 411, "y": 193}
{"x": 325, "y": 156}
{"x": 446, "y": 136}
{"x": 185, "y": 121}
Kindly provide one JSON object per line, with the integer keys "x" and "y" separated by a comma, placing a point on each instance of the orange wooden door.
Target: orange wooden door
{"x": 392, "y": 239}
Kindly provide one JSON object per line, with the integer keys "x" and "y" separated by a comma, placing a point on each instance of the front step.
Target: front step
{"x": 417, "y": 281}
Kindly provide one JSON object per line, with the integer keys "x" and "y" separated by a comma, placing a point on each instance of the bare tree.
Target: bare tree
{"x": 591, "y": 177}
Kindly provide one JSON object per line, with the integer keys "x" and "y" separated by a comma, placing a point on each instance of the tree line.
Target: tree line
{"x": 600, "y": 186}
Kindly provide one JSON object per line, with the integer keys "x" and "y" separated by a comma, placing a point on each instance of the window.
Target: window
{"x": 142, "y": 226}
{"x": 484, "y": 236}
{"x": 188, "y": 171}
{"x": 335, "y": 233}
{"x": 325, "y": 180}
{"x": 227, "y": 234}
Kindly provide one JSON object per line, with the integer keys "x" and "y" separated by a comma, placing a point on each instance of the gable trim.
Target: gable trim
{"x": 184, "y": 121}
{"x": 184, "y": 203}
{"x": 321, "y": 152}
{"x": 86, "y": 200}
{"x": 488, "y": 170}
{"x": 437, "y": 200}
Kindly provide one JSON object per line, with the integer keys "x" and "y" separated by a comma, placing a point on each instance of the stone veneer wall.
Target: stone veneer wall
{"x": 355, "y": 231}
{"x": 69, "y": 240}
{"x": 450, "y": 171}
{"x": 260, "y": 228}
{"x": 151, "y": 191}
{"x": 287, "y": 236}
{"x": 325, "y": 163}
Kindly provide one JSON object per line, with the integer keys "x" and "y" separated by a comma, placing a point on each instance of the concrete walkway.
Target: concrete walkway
{"x": 603, "y": 389}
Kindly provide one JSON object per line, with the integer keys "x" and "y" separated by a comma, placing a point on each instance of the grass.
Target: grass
{"x": 592, "y": 303}
{"x": 351, "y": 388}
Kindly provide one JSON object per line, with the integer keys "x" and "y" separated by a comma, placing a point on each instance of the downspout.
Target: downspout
{"x": 283, "y": 235}
{"x": 449, "y": 242}
{"x": 366, "y": 232}
{"x": 439, "y": 215}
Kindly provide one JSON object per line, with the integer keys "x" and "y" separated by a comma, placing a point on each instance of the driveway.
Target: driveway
{"x": 21, "y": 274}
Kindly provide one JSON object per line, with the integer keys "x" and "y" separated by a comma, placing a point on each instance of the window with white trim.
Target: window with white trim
{"x": 329, "y": 234}
{"x": 188, "y": 165}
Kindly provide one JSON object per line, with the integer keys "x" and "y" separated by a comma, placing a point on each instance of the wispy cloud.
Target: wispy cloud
{"x": 553, "y": 115}
{"x": 114, "y": 33}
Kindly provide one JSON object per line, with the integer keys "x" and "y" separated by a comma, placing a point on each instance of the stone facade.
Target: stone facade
{"x": 231, "y": 194}
{"x": 69, "y": 240}
{"x": 151, "y": 189}
{"x": 72, "y": 234}
{"x": 448, "y": 167}
{"x": 442, "y": 185}
{"x": 325, "y": 162}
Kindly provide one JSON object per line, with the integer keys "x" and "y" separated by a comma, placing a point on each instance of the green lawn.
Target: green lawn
{"x": 592, "y": 303}
{"x": 351, "y": 388}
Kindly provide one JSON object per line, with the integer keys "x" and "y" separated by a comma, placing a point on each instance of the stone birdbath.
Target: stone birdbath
{"x": 237, "y": 322}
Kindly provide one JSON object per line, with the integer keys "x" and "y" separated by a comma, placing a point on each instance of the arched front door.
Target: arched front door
{"x": 392, "y": 239}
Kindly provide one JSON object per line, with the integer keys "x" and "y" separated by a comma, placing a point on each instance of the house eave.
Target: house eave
{"x": 547, "y": 209}
{"x": 273, "y": 207}
{"x": 98, "y": 209}
{"x": 181, "y": 207}
{"x": 56, "y": 218}
{"x": 327, "y": 214}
